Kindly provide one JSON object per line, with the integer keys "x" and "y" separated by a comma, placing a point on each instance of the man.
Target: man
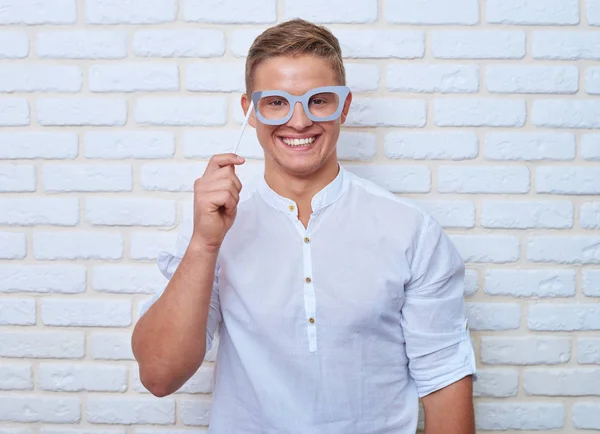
{"x": 338, "y": 304}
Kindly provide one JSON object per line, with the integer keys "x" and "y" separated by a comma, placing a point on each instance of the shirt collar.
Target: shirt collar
{"x": 328, "y": 195}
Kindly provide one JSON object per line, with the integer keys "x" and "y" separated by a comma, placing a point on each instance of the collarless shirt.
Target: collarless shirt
{"x": 336, "y": 328}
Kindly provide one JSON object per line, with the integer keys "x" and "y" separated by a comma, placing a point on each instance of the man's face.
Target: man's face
{"x": 316, "y": 149}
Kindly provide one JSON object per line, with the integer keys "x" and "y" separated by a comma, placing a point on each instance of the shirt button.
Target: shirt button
{"x": 292, "y": 207}
{"x": 311, "y": 320}
{"x": 308, "y": 280}
{"x": 307, "y": 240}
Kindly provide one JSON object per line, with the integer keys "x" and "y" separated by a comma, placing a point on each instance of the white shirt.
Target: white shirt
{"x": 337, "y": 328}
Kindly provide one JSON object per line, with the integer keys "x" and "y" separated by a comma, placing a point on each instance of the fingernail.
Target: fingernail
{"x": 241, "y": 159}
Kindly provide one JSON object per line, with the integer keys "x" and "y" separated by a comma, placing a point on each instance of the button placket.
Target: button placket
{"x": 309, "y": 294}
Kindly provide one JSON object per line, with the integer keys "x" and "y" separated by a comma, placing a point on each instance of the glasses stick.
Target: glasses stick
{"x": 243, "y": 127}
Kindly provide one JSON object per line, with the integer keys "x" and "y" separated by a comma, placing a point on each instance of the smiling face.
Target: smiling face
{"x": 299, "y": 148}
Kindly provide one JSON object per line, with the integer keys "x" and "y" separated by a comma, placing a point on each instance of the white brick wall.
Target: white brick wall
{"x": 484, "y": 112}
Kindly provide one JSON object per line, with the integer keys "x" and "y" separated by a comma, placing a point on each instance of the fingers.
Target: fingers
{"x": 223, "y": 198}
{"x": 222, "y": 160}
{"x": 224, "y": 185}
{"x": 227, "y": 173}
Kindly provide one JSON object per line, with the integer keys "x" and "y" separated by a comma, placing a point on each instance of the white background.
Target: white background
{"x": 487, "y": 112}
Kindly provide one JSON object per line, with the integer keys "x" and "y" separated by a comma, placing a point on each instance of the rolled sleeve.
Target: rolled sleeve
{"x": 435, "y": 329}
{"x": 167, "y": 263}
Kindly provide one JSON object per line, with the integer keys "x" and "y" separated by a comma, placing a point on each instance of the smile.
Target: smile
{"x": 299, "y": 142}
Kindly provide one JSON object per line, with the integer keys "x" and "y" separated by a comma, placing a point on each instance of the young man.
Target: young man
{"x": 338, "y": 304}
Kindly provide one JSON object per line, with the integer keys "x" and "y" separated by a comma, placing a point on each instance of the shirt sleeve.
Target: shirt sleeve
{"x": 167, "y": 263}
{"x": 435, "y": 328}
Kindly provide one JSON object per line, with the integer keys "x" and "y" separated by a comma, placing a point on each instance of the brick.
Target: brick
{"x": 487, "y": 248}
{"x": 397, "y": 179}
{"x": 433, "y": 78}
{"x": 497, "y": 383}
{"x": 13, "y": 44}
{"x": 111, "y": 346}
{"x": 17, "y": 311}
{"x": 169, "y": 431}
{"x": 532, "y": 12}
{"x": 450, "y": 213}
{"x": 564, "y": 317}
{"x": 81, "y": 111}
{"x": 60, "y": 279}
{"x": 590, "y": 147}
{"x": 493, "y": 316}
{"x": 562, "y": 45}
{"x": 38, "y": 12}
{"x": 568, "y": 180}
{"x": 483, "y": 179}
{"x": 589, "y": 215}
{"x": 116, "y": 145}
{"x": 564, "y": 250}
{"x": 479, "y": 112}
{"x": 31, "y": 145}
{"x": 109, "y": 211}
{"x": 230, "y": 11}
{"x": 591, "y": 283}
{"x": 586, "y": 415}
{"x": 387, "y": 112}
{"x": 362, "y": 77}
{"x": 42, "y": 344}
{"x": 431, "y": 145}
{"x": 523, "y": 215}
{"x": 14, "y": 112}
{"x": 374, "y": 43}
{"x": 205, "y": 143}
{"x": 196, "y": 412}
{"x": 356, "y": 146}
{"x": 130, "y": 410}
{"x": 532, "y": 79}
{"x": 562, "y": 382}
{"x": 530, "y": 146}
{"x": 530, "y": 283}
{"x": 17, "y": 178}
{"x": 39, "y": 211}
{"x": 130, "y": 11}
{"x": 592, "y": 81}
{"x": 471, "y": 282}
{"x": 82, "y": 44}
{"x": 519, "y": 416}
{"x": 85, "y": 313}
{"x": 77, "y": 245}
{"x": 146, "y": 245}
{"x": 82, "y": 430}
{"x": 87, "y": 177}
{"x": 40, "y": 78}
{"x": 15, "y": 430}
{"x": 242, "y": 39}
{"x": 40, "y": 409}
{"x": 171, "y": 177}
{"x": 478, "y": 44}
{"x": 562, "y": 113}
{"x": 593, "y": 12}
{"x": 128, "y": 279}
{"x": 433, "y": 12}
{"x": 16, "y": 377}
{"x": 525, "y": 350}
{"x": 134, "y": 77}
{"x": 179, "y": 43}
{"x": 176, "y": 111}
{"x": 63, "y": 377}
{"x": 336, "y": 11}
{"x": 588, "y": 351}
{"x": 13, "y": 245}
{"x": 215, "y": 77}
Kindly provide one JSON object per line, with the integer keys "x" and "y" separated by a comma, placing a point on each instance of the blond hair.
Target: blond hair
{"x": 295, "y": 38}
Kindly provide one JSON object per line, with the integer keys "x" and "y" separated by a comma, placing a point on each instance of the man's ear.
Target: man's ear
{"x": 245, "y": 106}
{"x": 346, "y": 108}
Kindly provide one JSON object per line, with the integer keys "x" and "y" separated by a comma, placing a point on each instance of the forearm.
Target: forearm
{"x": 169, "y": 341}
{"x": 450, "y": 410}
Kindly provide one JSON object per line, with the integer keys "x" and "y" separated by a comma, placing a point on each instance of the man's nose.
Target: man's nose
{"x": 299, "y": 120}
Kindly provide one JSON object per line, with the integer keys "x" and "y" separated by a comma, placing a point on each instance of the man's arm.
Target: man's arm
{"x": 450, "y": 409}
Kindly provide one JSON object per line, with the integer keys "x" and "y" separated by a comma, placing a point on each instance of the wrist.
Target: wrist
{"x": 198, "y": 247}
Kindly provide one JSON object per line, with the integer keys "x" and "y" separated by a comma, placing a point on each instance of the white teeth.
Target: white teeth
{"x": 299, "y": 142}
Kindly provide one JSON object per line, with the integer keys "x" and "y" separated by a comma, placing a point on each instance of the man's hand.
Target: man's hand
{"x": 216, "y": 196}
{"x": 450, "y": 410}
